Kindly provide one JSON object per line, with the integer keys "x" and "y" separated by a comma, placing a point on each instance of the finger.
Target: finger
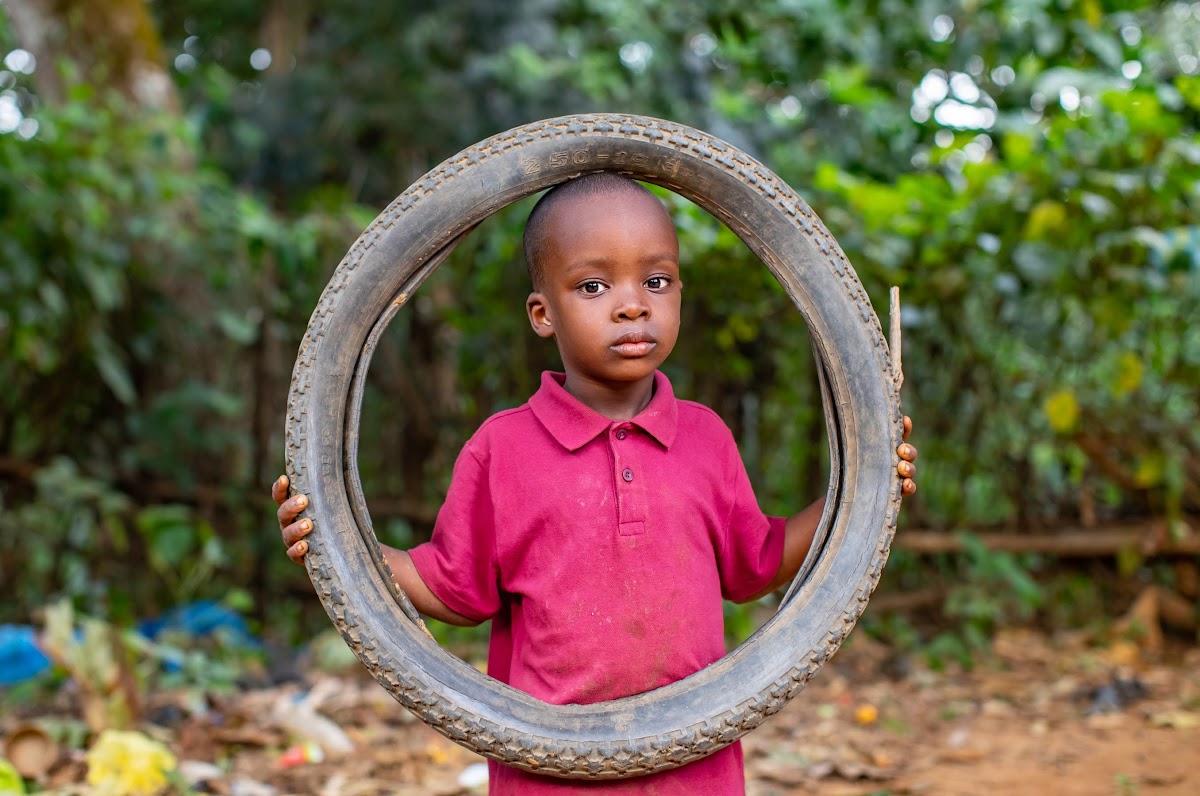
{"x": 297, "y": 552}
{"x": 906, "y": 469}
{"x": 907, "y": 452}
{"x": 279, "y": 490}
{"x": 909, "y": 487}
{"x": 907, "y": 423}
{"x": 290, "y": 508}
{"x": 296, "y": 531}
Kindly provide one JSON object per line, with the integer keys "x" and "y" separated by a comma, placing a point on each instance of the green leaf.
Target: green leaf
{"x": 112, "y": 370}
{"x": 241, "y": 327}
{"x": 170, "y": 534}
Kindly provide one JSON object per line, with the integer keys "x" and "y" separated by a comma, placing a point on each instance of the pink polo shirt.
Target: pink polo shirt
{"x": 601, "y": 550}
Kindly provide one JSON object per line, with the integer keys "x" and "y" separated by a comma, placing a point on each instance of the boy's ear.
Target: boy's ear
{"x": 538, "y": 310}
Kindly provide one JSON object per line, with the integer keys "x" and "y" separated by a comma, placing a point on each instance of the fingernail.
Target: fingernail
{"x": 307, "y": 525}
{"x": 302, "y": 501}
{"x": 304, "y": 547}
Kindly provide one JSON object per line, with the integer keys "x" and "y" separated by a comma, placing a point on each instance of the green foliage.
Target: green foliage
{"x": 740, "y": 622}
{"x": 10, "y": 780}
{"x": 181, "y": 549}
{"x": 1074, "y": 600}
{"x": 993, "y": 589}
{"x": 985, "y": 591}
{"x": 136, "y": 293}
{"x": 48, "y": 544}
{"x": 217, "y": 664}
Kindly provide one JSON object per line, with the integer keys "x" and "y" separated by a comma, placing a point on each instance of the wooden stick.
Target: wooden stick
{"x": 894, "y": 337}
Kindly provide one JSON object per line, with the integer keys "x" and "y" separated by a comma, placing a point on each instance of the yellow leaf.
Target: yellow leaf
{"x": 1046, "y": 219}
{"x": 1129, "y": 375}
{"x": 1150, "y": 470}
{"x": 1062, "y": 410}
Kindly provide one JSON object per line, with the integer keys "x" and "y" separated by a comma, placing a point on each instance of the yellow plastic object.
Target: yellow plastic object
{"x": 128, "y": 764}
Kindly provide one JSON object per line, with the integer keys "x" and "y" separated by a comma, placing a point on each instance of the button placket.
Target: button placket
{"x": 630, "y": 511}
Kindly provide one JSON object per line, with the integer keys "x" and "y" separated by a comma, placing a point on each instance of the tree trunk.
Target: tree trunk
{"x": 283, "y": 32}
{"x": 113, "y": 43}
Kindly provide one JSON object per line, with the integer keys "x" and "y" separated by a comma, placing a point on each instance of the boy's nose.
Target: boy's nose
{"x": 630, "y": 310}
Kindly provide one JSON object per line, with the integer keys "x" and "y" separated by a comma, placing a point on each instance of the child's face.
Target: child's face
{"x": 610, "y": 287}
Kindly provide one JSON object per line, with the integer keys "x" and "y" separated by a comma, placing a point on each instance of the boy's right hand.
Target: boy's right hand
{"x": 293, "y": 532}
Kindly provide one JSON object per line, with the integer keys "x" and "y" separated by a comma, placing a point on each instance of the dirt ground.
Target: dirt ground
{"x": 1040, "y": 717}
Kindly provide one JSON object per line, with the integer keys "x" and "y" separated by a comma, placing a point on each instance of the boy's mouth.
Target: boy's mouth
{"x": 634, "y": 344}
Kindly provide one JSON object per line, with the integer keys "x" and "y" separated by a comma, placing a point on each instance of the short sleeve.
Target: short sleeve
{"x": 753, "y": 550}
{"x": 459, "y": 563}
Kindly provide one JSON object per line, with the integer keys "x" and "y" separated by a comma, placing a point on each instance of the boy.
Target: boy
{"x": 600, "y": 525}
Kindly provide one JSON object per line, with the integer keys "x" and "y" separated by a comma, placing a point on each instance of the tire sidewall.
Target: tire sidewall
{"x": 710, "y": 709}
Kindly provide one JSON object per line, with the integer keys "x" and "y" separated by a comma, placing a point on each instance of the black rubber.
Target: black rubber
{"x": 696, "y": 716}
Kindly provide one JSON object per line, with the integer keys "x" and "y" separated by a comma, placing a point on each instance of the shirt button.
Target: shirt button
{"x": 627, "y": 474}
{"x": 622, "y": 434}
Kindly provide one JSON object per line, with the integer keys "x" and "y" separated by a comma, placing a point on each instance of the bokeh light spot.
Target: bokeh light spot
{"x": 1003, "y": 75}
{"x": 10, "y": 114}
{"x": 941, "y": 28}
{"x": 703, "y": 44}
{"x": 27, "y": 128}
{"x": 21, "y": 61}
{"x": 636, "y": 55}
{"x": 260, "y": 59}
{"x": 1068, "y": 98}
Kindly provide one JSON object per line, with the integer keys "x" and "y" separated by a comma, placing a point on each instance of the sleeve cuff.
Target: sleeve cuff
{"x": 425, "y": 561}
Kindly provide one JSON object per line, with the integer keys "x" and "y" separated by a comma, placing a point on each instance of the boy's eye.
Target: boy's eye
{"x": 656, "y": 282}
{"x": 591, "y": 287}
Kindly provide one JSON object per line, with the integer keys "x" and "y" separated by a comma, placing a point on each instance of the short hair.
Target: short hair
{"x": 597, "y": 184}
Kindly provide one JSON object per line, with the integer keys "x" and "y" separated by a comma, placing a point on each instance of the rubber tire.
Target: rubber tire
{"x": 685, "y": 720}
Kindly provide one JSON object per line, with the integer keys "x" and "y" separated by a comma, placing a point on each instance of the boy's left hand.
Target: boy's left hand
{"x": 908, "y": 454}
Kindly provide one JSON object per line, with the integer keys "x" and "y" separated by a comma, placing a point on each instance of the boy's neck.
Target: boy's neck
{"x": 616, "y": 401}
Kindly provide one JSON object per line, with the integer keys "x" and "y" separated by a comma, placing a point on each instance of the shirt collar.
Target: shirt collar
{"x": 574, "y": 425}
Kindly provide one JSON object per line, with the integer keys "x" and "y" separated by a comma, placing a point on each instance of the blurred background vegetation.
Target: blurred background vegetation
{"x": 178, "y": 181}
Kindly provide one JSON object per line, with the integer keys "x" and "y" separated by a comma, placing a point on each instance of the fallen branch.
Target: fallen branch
{"x": 908, "y": 601}
{"x": 1147, "y": 538}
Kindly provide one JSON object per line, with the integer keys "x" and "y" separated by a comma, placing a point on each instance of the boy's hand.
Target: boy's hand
{"x": 906, "y": 469}
{"x": 293, "y": 532}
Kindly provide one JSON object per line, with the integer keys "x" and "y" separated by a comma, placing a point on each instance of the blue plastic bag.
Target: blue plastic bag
{"x": 20, "y": 657}
{"x": 200, "y": 619}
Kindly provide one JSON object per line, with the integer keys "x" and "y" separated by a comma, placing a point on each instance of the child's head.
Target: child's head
{"x": 604, "y": 260}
